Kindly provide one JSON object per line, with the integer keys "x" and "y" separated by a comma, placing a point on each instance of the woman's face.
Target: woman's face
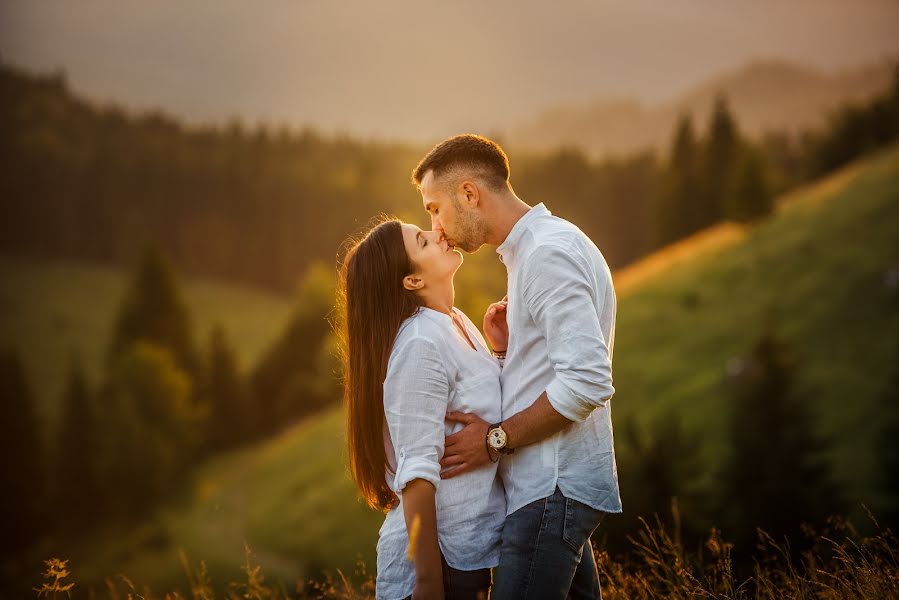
{"x": 434, "y": 259}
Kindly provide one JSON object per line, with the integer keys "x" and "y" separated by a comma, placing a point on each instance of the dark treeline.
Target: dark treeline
{"x": 246, "y": 205}
{"x": 254, "y": 206}
{"x": 249, "y": 205}
{"x": 258, "y": 205}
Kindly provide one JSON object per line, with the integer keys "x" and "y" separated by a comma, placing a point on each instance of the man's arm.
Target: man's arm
{"x": 537, "y": 422}
{"x": 559, "y": 291}
{"x": 467, "y": 449}
{"x": 559, "y": 296}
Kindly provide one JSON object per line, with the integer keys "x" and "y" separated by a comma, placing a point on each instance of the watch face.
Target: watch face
{"x": 497, "y": 438}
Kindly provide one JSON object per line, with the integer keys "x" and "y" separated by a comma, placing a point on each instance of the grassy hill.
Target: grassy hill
{"x": 817, "y": 269}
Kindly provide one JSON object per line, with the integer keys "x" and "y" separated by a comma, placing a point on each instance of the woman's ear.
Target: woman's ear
{"x": 413, "y": 282}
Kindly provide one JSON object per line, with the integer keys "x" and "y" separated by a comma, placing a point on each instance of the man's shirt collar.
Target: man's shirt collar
{"x": 510, "y": 244}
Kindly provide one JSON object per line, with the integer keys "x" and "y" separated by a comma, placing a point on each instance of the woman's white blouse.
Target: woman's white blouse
{"x": 432, "y": 370}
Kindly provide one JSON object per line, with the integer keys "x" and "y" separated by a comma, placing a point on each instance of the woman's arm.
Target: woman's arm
{"x": 418, "y": 501}
{"x": 496, "y": 329}
{"x": 416, "y": 392}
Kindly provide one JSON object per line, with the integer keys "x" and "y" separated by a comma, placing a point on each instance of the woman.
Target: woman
{"x": 410, "y": 357}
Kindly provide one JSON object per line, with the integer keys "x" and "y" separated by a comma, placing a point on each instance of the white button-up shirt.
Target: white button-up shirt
{"x": 561, "y": 317}
{"x": 432, "y": 370}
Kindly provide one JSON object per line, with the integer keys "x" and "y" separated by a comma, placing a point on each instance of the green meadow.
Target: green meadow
{"x": 815, "y": 271}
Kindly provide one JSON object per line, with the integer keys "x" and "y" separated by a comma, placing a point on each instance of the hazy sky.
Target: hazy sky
{"x": 414, "y": 69}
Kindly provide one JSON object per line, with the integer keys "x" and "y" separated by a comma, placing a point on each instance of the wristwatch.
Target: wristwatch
{"x": 497, "y": 439}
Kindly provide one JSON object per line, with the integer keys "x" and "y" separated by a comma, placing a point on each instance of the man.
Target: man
{"x": 555, "y": 439}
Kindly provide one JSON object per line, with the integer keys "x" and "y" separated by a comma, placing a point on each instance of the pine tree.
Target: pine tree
{"x": 720, "y": 162}
{"x": 76, "y": 483}
{"x": 775, "y": 477}
{"x": 295, "y": 377}
{"x": 893, "y": 101}
{"x": 23, "y": 460}
{"x": 751, "y": 197}
{"x": 154, "y": 311}
{"x": 887, "y": 449}
{"x": 149, "y": 428}
{"x": 660, "y": 468}
{"x": 679, "y": 212}
{"x": 231, "y": 419}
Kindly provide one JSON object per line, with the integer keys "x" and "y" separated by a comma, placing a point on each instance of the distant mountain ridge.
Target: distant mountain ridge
{"x": 766, "y": 95}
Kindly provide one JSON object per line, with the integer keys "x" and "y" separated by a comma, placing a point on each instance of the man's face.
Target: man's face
{"x": 459, "y": 225}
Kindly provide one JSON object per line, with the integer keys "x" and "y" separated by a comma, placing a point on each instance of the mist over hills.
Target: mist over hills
{"x": 417, "y": 72}
{"x": 765, "y": 95}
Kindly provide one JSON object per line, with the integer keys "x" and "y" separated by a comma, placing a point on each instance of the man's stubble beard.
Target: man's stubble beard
{"x": 472, "y": 233}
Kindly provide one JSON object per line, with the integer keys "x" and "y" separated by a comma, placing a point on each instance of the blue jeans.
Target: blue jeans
{"x": 546, "y": 552}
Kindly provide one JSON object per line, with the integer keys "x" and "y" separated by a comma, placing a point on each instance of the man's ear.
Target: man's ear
{"x": 413, "y": 282}
{"x": 471, "y": 195}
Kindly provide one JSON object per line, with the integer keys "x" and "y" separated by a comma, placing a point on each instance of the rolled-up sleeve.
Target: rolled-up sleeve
{"x": 416, "y": 391}
{"x": 559, "y": 291}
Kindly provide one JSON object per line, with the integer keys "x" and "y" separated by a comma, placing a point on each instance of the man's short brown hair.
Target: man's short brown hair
{"x": 468, "y": 152}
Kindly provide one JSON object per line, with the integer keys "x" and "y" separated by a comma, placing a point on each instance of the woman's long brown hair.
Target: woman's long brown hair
{"x": 374, "y": 304}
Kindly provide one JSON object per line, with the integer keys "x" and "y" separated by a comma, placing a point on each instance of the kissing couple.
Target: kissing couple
{"x": 491, "y": 454}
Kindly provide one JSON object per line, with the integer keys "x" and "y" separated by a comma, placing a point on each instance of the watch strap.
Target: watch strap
{"x": 487, "y": 443}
